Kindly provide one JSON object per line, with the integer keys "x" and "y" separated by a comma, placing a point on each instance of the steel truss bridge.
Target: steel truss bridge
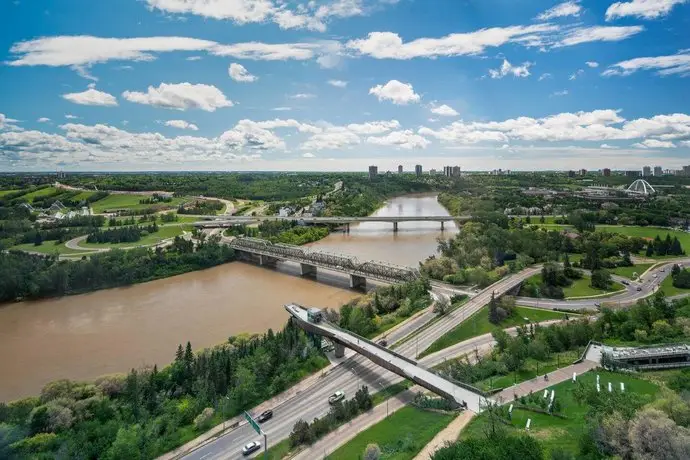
{"x": 311, "y": 259}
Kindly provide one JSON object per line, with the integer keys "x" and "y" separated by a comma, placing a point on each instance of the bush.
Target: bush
{"x": 203, "y": 421}
{"x": 682, "y": 279}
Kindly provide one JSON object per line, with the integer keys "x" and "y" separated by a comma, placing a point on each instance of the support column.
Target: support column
{"x": 306, "y": 269}
{"x": 267, "y": 260}
{"x": 395, "y": 227}
{"x": 442, "y": 225}
{"x": 357, "y": 282}
{"x": 347, "y": 227}
{"x": 339, "y": 350}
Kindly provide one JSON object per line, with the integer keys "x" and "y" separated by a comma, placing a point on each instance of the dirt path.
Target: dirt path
{"x": 448, "y": 434}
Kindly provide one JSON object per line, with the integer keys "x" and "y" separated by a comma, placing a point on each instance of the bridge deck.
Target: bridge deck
{"x": 231, "y": 220}
{"x": 391, "y": 360}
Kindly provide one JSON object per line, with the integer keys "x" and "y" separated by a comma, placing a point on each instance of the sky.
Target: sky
{"x": 234, "y": 85}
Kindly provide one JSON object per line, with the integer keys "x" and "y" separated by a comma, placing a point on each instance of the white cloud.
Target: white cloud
{"x": 677, "y": 64}
{"x": 181, "y": 96}
{"x": 397, "y": 92}
{"x": 402, "y": 139}
{"x": 337, "y": 83}
{"x": 238, "y": 73}
{"x": 281, "y": 109}
{"x": 581, "y": 35}
{"x": 570, "y": 8}
{"x": 564, "y": 92}
{"x": 444, "y": 110}
{"x": 308, "y": 155}
{"x": 685, "y": 143}
{"x": 248, "y": 134}
{"x": 336, "y": 137}
{"x": 544, "y": 76}
{"x": 193, "y": 58}
{"x": 6, "y": 122}
{"x": 302, "y": 96}
{"x": 389, "y": 45}
{"x": 181, "y": 124}
{"x": 258, "y": 51}
{"x": 645, "y": 9}
{"x": 289, "y": 123}
{"x": 592, "y": 64}
{"x": 43, "y": 120}
{"x": 607, "y": 146}
{"x": 654, "y": 144}
{"x": 239, "y": 11}
{"x": 507, "y": 68}
{"x": 92, "y": 97}
{"x": 373, "y": 127}
{"x": 71, "y": 117}
{"x": 576, "y": 74}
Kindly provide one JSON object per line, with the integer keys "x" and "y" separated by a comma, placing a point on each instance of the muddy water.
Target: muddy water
{"x": 84, "y": 336}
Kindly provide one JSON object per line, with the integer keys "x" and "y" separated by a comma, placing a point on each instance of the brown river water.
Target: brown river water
{"x": 81, "y": 337}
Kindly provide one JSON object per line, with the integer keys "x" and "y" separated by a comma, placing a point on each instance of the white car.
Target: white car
{"x": 335, "y": 397}
{"x": 251, "y": 447}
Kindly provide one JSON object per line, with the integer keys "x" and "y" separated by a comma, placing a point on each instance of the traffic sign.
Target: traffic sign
{"x": 253, "y": 423}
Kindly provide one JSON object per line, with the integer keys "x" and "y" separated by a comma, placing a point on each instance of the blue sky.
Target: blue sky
{"x": 341, "y": 84}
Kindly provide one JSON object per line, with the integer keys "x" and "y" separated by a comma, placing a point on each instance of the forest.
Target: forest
{"x": 148, "y": 411}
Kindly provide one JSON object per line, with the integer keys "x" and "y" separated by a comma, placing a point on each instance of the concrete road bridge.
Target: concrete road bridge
{"x": 389, "y": 359}
{"x": 270, "y": 253}
{"x": 229, "y": 221}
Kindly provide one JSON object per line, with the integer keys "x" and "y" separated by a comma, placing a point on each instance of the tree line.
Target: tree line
{"x": 128, "y": 234}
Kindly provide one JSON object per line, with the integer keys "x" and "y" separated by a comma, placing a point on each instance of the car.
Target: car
{"x": 251, "y": 447}
{"x": 264, "y": 416}
{"x": 335, "y": 397}
{"x": 655, "y": 275}
{"x": 639, "y": 288}
{"x": 627, "y": 283}
{"x": 383, "y": 342}
{"x": 597, "y": 304}
{"x": 663, "y": 270}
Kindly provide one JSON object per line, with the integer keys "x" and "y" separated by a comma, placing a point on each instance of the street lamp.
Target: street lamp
{"x": 381, "y": 385}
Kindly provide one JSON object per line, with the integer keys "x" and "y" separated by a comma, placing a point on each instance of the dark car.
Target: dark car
{"x": 625, "y": 282}
{"x": 251, "y": 447}
{"x": 639, "y": 288}
{"x": 383, "y": 342}
{"x": 265, "y": 415}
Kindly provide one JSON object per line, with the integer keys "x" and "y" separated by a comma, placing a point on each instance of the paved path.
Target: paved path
{"x": 448, "y": 434}
{"x": 537, "y": 384}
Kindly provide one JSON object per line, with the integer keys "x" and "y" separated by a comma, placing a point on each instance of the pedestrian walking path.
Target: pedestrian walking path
{"x": 448, "y": 434}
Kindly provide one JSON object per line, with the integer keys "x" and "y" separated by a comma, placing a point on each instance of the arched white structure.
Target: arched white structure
{"x": 641, "y": 187}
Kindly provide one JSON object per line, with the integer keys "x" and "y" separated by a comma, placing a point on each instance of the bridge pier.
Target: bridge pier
{"x": 267, "y": 260}
{"x": 339, "y": 350}
{"x": 306, "y": 269}
{"x": 442, "y": 225}
{"x": 357, "y": 282}
{"x": 395, "y": 227}
{"x": 347, "y": 227}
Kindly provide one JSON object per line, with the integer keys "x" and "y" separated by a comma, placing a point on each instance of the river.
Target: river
{"x": 81, "y": 337}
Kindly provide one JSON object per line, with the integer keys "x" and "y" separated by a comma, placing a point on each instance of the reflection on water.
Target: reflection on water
{"x": 84, "y": 336}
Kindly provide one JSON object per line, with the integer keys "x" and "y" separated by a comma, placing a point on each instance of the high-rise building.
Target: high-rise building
{"x": 456, "y": 171}
{"x": 400, "y": 169}
{"x": 658, "y": 171}
{"x": 432, "y": 172}
{"x": 418, "y": 170}
{"x": 373, "y": 172}
{"x": 571, "y": 173}
{"x": 686, "y": 171}
{"x": 646, "y": 171}
{"x": 606, "y": 172}
{"x": 583, "y": 172}
{"x": 452, "y": 171}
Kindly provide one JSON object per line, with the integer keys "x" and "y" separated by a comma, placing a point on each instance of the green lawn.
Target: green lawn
{"x": 49, "y": 247}
{"x": 113, "y": 202}
{"x": 628, "y": 271}
{"x": 277, "y": 451}
{"x": 41, "y": 192}
{"x": 564, "y": 433}
{"x": 390, "y": 391}
{"x": 400, "y": 436}
{"x": 153, "y": 238}
{"x": 647, "y": 232}
{"x": 670, "y": 290}
{"x": 83, "y": 196}
{"x": 6, "y": 192}
{"x": 479, "y": 324}
{"x": 581, "y": 287}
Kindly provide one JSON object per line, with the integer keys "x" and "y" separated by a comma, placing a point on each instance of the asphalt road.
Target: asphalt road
{"x": 353, "y": 373}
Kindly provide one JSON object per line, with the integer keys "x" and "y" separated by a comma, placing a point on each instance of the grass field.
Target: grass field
{"x": 112, "y": 202}
{"x": 83, "y": 196}
{"x": 479, "y": 324}
{"x": 49, "y": 247}
{"x": 670, "y": 290}
{"x": 581, "y": 287}
{"x": 647, "y": 232}
{"x": 6, "y": 192}
{"x": 400, "y": 436}
{"x": 564, "y": 433}
{"x": 161, "y": 234}
{"x": 41, "y": 192}
{"x": 628, "y": 271}
{"x": 277, "y": 451}
{"x": 390, "y": 391}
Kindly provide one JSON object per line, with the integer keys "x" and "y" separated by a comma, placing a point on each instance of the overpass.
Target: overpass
{"x": 269, "y": 253}
{"x": 229, "y": 221}
{"x": 389, "y": 359}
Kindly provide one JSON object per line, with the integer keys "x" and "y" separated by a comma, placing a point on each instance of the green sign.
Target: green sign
{"x": 253, "y": 423}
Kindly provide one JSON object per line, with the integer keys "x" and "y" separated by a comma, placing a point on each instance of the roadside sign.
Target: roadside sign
{"x": 253, "y": 423}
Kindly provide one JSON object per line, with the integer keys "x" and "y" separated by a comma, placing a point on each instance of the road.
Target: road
{"x": 356, "y": 371}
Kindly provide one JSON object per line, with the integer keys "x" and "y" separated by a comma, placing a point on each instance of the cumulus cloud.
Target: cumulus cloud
{"x": 571, "y": 8}
{"x": 607, "y": 146}
{"x": 373, "y": 127}
{"x": 181, "y": 96}
{"x": 92, "y": 97}
{"x": 308, "y": 155}
{"x": 507, "y": 68}
{"x": 238, "y": 73}
{"x": 677, "y": 64}
{"x": 71, "y": 117}
{"x": 334, "y": 138}
{"x": 43, "y": 120}
{"x": 444, "y": 110}
{"x": 337, "y": 83}
{"x": 401, "y": 139}
{"x": 645, "y": 9}
{"x": 592, "y": 64}
{"x": 181, "y": 124}
{"x": 654, "y": 144}
{"x": 248, "y": 134}
{"x": 6, "y": 122}
{"x": 397, "y": 92}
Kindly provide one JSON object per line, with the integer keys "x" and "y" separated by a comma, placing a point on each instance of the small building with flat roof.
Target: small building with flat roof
{"x": 650, "y": 358}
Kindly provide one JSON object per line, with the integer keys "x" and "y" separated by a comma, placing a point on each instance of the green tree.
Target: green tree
{"x": 493, "y": 310}
{"x": 601, "y": 279}
{"x": 127, "y": 444}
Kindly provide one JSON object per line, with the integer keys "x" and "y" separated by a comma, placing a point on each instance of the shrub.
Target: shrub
{"x": 203, "y": 421}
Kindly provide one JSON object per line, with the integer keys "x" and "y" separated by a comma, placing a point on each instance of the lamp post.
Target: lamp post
{"x": 381, "y": 385}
